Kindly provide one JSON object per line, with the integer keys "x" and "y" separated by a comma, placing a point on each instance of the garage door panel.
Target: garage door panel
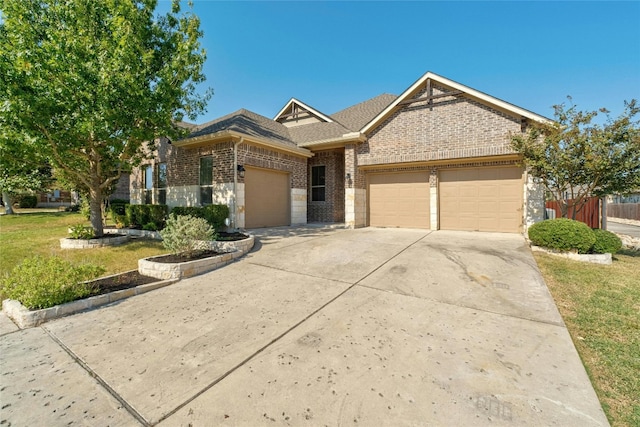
{"x": 484, "y": 199}
{"x": 399, "y": 200}
{"x": 266, "y": 198}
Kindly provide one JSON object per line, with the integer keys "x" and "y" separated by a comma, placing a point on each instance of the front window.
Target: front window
{"x": 317, "y": 184}
{"x": 148, "y": 184}
{"x": 206, "y": 180}
{"x": 162, "y": 183}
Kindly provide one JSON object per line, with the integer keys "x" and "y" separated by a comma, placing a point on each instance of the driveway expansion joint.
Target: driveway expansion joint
{"x": 130, "y": 409}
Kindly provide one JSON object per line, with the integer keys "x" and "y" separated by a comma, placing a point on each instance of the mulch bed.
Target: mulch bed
{"x": 223, "y": 236}
{"x": 118, "y": 282}
{"x": 132, "y": 279}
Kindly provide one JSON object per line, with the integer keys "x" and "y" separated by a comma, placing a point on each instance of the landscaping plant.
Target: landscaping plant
{"x": 40, "y": 282}
{"x": 606, "y": 242}
{"x": 562, "y": 234}
{"x": 80, "y": 231}
{"x": 183, "y": 234}
{"x": 214, "y": 214}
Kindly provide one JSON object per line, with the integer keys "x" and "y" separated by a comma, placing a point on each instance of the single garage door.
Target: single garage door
{"x": 266, "y": 198}
{"x": 481, "y": 199}
{"x": 399, "y": 199}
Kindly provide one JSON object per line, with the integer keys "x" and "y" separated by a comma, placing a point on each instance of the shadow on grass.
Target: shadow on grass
{"x": 137, "y": 244}
{"x": 628, "y": 252}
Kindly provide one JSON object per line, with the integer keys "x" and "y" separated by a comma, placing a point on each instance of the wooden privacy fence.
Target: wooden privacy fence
{"x": 624, "y": 210}
{"x": 589, "y": 214}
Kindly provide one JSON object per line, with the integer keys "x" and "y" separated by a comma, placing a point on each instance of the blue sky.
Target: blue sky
{"x": 334, "y": 54}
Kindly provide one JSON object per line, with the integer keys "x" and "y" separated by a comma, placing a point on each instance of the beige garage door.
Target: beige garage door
{"x": 399, "y": 199}
{"x": 266, "y": 198}
{"x": 481, "y": 199}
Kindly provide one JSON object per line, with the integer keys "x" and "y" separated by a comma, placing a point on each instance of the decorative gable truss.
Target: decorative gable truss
{"x": 297, "y": 113}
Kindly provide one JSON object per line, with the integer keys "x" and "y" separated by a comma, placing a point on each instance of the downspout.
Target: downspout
{"x": 234, "y": 210}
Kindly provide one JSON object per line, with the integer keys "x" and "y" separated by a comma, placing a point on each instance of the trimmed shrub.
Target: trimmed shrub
{"x": 44, "y": 282}
{"x": 183, "y": 233}
{"x": 606, "y": 242}
{"x": 562, "y": 234}
{"x": 118, "y": 209}
{"x": 142, "y": 215}
{"x": 28, "y": 201}
{"x": 213, "y": 214}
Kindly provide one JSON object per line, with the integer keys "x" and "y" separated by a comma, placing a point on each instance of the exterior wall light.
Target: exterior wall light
{"x": 240, "y": 171}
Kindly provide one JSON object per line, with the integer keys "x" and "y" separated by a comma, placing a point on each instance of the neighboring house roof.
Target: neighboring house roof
{"x": 467, "y": 91}
{"x": 356, "y": 116}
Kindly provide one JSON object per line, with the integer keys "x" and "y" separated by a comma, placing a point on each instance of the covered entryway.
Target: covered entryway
{"x": 266, "y": 198}
{"x": 399, "y": 199}
{"x": 481, "y": 199}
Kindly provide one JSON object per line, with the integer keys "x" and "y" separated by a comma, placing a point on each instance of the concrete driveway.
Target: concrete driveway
{"x": 316, "y": 327}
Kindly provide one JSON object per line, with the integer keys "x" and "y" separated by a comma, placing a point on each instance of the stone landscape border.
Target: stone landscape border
{"x": 25, "y": 318}
{"x": 605, "y": 259}
{"x": 235, "y": 249}
{"x": 68, "y": 243}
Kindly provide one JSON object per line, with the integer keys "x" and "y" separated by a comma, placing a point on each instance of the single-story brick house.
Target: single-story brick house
{"x": 437, "y": 157}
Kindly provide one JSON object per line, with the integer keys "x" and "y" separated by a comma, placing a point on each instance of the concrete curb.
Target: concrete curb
{"x": 26, "y": 318}
{"x": 591, "y": 258}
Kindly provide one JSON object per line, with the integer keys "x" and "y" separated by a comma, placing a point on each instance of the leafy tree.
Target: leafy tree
{"x": 94, "y": 83}
{"x": 576, "y": 159}
{"x": 21, "y": 169}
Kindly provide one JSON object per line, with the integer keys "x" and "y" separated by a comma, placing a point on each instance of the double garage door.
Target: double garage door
{"x": 474, "y": 199}
{"x": 266, "y": 195}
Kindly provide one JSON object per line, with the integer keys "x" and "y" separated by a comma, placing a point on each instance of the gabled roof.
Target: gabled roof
{"x": 356, "y": 116}
{"x": 245, "y": 122}
{"x": 467, "y": 92}
{"x": 294, "y": 102}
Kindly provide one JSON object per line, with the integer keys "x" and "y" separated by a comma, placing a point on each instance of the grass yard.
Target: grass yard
{"x": 39, "y": 233}
{"x": 601, "y": 307}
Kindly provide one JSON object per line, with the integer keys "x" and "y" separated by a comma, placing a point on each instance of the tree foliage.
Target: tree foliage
{"x": 22, "y": 169}
{"x": 577, "y": 159}
{"x": 91, "y": 82}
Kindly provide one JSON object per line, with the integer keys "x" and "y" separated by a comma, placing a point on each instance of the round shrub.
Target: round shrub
{"x": 606, "y": 242}
{"x": 183, "y": 234}
{"x": 562, "y": 234}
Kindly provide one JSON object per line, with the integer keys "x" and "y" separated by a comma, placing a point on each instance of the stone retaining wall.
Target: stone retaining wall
{"x": 67, "y": 243}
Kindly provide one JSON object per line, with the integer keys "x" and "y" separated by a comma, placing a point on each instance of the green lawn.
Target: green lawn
{"x": 601, "y": 308}
{"x": 39, "y": 233}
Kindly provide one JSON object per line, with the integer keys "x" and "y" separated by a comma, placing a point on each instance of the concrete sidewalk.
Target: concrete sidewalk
{"x": 316, "y": 327}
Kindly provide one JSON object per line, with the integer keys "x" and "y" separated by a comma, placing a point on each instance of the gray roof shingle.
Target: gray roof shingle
{"x": 248, "y": 123}
{"x": 349, "y": 120}
{"x": 317, "y": 132}
{"x": 356, "y": 116}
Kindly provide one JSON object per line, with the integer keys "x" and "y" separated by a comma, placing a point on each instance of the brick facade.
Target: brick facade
{"x": 449, "y": 128}
{"x": 183, "y": 164}
{"x": 332, "y": 209}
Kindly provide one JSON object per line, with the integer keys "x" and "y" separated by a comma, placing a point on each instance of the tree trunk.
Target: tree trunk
{"x": 95, "y": 205}
{"x": 8, "y": 203}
